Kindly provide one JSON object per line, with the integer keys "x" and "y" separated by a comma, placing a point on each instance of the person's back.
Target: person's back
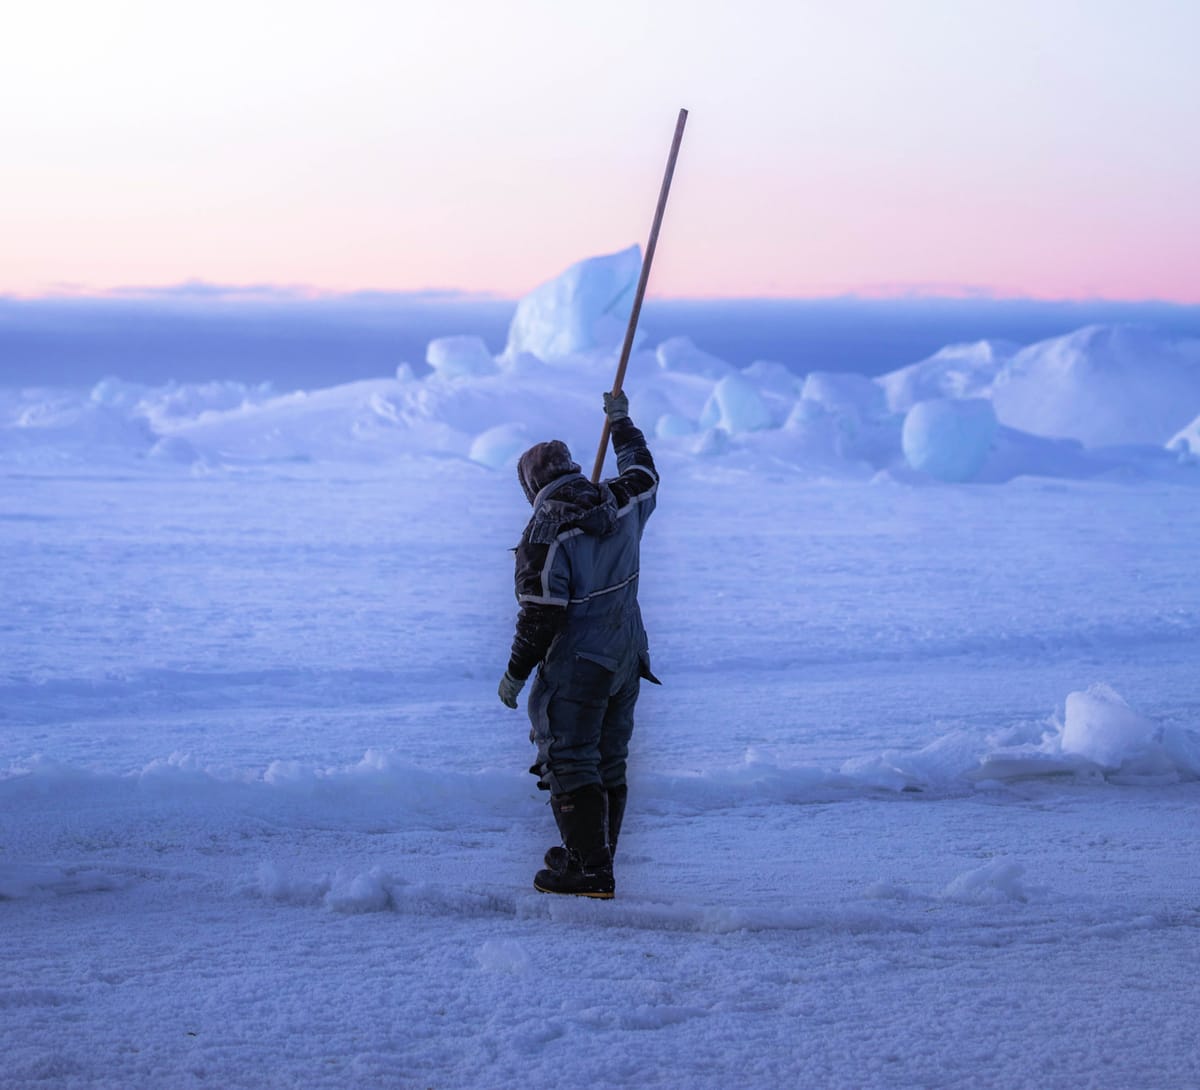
{"x": 577, "y": 570}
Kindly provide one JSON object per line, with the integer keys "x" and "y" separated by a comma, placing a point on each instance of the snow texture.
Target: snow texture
{"x": 679, "y": 354}
{"x": 500, "y": 446}
{"x": 1186, "y": 444}
{"x": 922, "y": 746}
{"x": 1103, "y": 385}
{"x": 958, "y": 370}
{"x": 949, "y": 439}
{"x": 1101, "y": 402}
{"x": 459, "y": 357}
{"x": 735, "y": 406}
{"x": 586, "y": 307}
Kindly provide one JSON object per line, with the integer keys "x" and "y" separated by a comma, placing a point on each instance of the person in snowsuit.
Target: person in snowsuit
{"x": 580, "y": 626}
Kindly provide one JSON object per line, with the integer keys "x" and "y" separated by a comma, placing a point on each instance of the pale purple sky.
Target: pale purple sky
{"x": 1027, "y": 148}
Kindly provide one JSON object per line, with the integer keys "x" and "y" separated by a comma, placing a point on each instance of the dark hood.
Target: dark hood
{"x": 562, "y": 497}
{"x": 544, "y": 463}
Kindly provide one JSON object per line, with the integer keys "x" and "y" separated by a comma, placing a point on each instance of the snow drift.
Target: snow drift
{"x": 1097, "y": 401}
{"x": 1102, "y": 385}
{"x": 1100, "y": 738}
{"x": 958, "y": 370}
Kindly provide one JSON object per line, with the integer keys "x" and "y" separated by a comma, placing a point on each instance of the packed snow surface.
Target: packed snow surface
{"x": 916, "y": 805}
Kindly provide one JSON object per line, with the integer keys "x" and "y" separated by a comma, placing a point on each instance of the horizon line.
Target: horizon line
{"x": 200, "y": 291}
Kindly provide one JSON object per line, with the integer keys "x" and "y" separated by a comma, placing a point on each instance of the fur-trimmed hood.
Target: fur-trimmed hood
{"x": 562, "y": 497}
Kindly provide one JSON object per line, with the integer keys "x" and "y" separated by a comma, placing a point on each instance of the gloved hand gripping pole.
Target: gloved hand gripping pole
{"x": 627, "y": 347}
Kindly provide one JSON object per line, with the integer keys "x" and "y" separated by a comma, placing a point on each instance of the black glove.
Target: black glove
{"x": 510, "y": 689}
{"x": 616, "y": 406}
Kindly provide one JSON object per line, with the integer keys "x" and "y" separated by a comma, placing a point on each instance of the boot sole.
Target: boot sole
{"x": 576, "y": 893}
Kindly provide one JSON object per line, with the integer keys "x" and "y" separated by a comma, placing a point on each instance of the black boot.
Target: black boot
{"x": 582, "y": 818}
{"x": 556, "y": 857}
{"x": 617, "y": 797}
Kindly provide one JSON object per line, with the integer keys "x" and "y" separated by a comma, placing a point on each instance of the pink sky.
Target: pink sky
{"x": 1041, "y": 150}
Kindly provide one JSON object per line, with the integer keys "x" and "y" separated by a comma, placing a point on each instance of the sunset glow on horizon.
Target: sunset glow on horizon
{"x": 1041, "y": 150}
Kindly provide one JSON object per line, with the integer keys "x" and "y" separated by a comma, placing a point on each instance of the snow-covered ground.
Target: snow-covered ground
{"x": 915, "y": 807}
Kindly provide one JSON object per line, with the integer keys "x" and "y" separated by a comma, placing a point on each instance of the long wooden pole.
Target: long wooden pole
{"x": 627, "y": 347}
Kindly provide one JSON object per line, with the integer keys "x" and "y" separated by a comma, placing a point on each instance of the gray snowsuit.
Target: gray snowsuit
{"x": 579, "y": 624}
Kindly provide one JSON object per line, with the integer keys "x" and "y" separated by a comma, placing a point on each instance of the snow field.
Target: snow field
{"x": 881, "y": 945}
{"x": 888, "y": 834}
{"x": 916, "y": 805}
